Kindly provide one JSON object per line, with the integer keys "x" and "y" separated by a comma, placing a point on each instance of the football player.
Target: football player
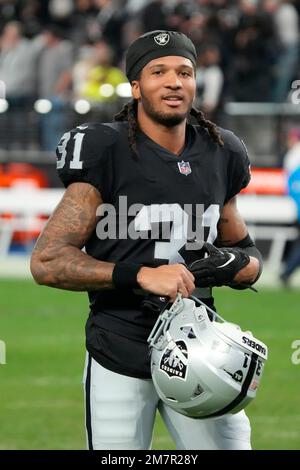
{"x": 126, "y": 181}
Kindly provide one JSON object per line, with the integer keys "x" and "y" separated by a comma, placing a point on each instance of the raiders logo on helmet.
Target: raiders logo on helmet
{"x": 174, "y": 361}
{"x": 208, "y": 373}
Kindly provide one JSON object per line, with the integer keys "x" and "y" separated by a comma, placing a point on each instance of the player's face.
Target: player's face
{"x": 166, "y": 89}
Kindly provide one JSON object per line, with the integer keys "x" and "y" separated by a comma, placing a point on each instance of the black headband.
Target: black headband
{"x": 154, "y": 45}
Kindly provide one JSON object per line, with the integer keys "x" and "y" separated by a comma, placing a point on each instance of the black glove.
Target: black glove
{"x": 213, "y": 266}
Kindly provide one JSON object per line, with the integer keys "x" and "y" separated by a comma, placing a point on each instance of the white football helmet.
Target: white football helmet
{"x": 204, "y": 367}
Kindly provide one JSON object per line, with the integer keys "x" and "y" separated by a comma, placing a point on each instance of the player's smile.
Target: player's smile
{"x": 173, "y": 100}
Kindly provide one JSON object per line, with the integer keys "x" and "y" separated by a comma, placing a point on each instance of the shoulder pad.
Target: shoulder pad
{"x": 232, "y": 142}
{"x": 107, "y": 133}
{"x": 85, "y": 146}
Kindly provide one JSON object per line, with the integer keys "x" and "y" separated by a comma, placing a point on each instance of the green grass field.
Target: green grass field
{"x": 41, "y": 404}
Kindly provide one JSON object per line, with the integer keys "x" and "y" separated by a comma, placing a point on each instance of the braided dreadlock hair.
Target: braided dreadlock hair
{"x": 129, "y": 113}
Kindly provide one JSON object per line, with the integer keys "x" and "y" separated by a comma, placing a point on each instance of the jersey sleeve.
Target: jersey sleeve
{"x": 238, "y": 170}
{"x": 83, "y": 154}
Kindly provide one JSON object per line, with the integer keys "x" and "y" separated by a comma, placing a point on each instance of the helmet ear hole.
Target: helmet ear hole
{"x": 205, "y": 368}
{"x": 198, "y": 391}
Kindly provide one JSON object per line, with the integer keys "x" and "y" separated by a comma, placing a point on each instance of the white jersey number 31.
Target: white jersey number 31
{"x": 75, "y": 163}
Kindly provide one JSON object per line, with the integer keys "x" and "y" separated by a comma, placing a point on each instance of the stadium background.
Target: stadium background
{"x": 61, "y": 63}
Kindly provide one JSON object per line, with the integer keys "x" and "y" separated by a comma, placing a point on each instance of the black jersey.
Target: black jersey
{"x": 151, "y": 204}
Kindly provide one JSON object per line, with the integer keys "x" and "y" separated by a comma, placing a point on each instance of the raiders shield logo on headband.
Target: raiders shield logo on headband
{"x": 162, "y": 39}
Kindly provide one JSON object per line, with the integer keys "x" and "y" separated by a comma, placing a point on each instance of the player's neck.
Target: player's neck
{"x": 171, "y": 138}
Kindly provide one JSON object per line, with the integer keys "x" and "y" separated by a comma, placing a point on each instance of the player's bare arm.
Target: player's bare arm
{"x": 232, "y": 229}
{"x": 57, "y": 259}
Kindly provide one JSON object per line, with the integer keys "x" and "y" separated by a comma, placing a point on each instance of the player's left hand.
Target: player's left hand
{"x": 213, "y": 266}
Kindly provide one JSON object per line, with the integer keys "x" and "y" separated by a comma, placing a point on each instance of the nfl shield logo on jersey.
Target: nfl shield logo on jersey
{"x": 184, "y": 168}
{"x": 162, "y": 39}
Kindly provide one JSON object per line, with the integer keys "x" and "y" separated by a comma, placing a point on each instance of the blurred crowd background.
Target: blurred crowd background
{"x": 61, "y": 56}
{"x": 62, "y": 64}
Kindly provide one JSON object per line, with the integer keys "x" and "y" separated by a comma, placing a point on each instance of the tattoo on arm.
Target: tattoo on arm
{"x": 231, "y": 226}
{"x": 57, "y": 259}
{"x": 222, "y": 241}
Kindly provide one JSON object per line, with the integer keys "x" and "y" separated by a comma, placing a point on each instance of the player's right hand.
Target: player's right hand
{"x": 167, "y": 280}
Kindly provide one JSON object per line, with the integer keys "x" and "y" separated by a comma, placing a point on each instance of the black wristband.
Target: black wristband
{"x": 124, "y": 275}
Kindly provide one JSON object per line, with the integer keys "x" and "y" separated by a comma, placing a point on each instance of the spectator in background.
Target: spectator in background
{"x": 153, "y": 15}
{"x": 291, "y": 165}
{"x": 54, "y": 83}
{"x": 18, "y": 58}
{"x": 102, "y": 73}
{"x": 84, "y": 23}
{"x": 131, "y": 31}
{"x": 251, "y": 61}
{"x": 209, "y": 80}
{"x": 31, "y": 16}
{"x": 286, "y": 22}
{"x": 81, "y": 69}
{"x": 18, "y": 66}
{"x": 187, "y": 18}
{"x": 111, "y": 19}
{"x": 8, "y": 12}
